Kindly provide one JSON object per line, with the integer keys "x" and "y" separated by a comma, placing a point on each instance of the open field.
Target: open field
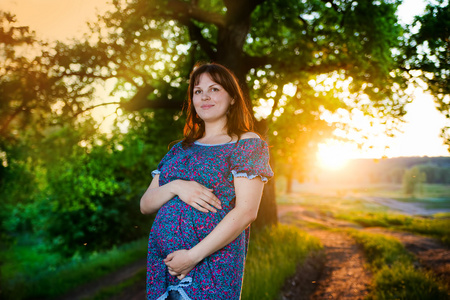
{"x": 370, "y": 198}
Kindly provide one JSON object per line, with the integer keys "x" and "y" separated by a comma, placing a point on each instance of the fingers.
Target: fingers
{"x": 199, "y": 207}
{"x": 211, "y": 199}
{"x": 200, "y": 197}
{"x": 204, "y": 206}
{"x": 169, "y": 257}
{"x": 206, "y": 201}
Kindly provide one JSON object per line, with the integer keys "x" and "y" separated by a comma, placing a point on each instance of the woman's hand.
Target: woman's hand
{"x": 180, "y": 263}
{"x": 190, "y": 192}
{"x": 198, "y": 196}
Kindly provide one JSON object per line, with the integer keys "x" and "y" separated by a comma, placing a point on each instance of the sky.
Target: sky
{"x": 62, "y": 20}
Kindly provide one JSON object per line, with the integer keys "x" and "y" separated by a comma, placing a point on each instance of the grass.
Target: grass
{"x": 27, "y": 257}
{"x": 110, "y": 291}
{"x": 438, "y": 227}
{"x": 394, "y": 274}
{"x": 439, "y": 193}
{"x": 53, "y": 282}
{"x": 273, "y": 256}
{"x": 346, "y": 202}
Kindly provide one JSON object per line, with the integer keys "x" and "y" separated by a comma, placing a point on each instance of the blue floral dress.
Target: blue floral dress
{"x": 179, "y": 226}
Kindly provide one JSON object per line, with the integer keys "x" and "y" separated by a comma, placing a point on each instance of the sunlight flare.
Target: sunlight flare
{"x": 333, "y": 155}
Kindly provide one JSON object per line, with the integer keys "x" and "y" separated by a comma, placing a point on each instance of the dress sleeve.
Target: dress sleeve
{"x": 251, "y": 159}
{"x": 173, "y": 151}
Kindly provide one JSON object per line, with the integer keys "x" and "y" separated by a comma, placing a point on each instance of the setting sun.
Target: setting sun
{"x": 333, "y": 155}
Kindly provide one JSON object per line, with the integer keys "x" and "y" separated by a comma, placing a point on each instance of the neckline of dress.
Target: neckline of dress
{"x": 203, "y": 144}
{"x": 229, "y": 143}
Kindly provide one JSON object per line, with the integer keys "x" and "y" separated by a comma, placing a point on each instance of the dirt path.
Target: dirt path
{"x": 342, "y": 277}
{"x": 115, "y": 278}
{"x": 404, "y": 207}
{"x": 340, "y": 274}
{"x": 431, "y": 254}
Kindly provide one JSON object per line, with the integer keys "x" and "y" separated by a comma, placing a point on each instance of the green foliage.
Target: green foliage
{"x": 395, "y": 276}
{"x": 413, "y": 180}
{"x": 149, "y": 47}
{"x": 82, "y": 190}
{"x": 427, "y": 50}
{"x": 106, "y": 178}
{"x": 274, "y": 254}
{"x": 35, "y": 274}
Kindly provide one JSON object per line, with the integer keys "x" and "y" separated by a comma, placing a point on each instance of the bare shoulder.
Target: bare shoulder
{"x": 250, "y": 135}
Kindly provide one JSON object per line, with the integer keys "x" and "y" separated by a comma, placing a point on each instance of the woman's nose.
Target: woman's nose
{"x": 205, "y": 96}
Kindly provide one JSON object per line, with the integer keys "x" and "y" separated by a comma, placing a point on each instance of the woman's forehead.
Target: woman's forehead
{"x": 205, "y": 79}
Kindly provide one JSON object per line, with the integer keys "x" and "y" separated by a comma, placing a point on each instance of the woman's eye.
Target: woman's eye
{"x": 215, "y": 89}
{"x": 197, "y": 92}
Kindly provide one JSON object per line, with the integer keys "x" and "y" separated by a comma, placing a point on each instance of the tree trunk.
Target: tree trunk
{"x": 230, "y": 43}
{"x": 231, "y": 39}
{"x": 267, "y": 214}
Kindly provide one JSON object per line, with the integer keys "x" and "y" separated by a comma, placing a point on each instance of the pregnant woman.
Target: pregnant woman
{"x": 207, "y": 191}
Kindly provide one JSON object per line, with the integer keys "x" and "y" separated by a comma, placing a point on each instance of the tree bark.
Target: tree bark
{"x": 267, "y": 214}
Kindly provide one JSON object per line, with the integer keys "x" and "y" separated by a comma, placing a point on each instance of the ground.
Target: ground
{"x": 338, "y": 272}
{"x": 341, "y": 273}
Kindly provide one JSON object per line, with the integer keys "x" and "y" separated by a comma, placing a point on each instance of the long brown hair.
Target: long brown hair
{"x": 239, "y": 118}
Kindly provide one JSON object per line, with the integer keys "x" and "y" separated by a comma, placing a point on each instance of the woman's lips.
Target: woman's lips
{"x": 207, "y": 106}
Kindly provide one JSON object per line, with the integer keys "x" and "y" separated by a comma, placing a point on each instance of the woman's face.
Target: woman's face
{"x": 211, "y": 101}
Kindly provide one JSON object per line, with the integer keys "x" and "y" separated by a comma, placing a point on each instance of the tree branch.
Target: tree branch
{"x": 182, "y": 10}
{"x": 255, "y": 61}
{"x": 95, "y": 106}
{"x": 276, "y": 101}
{"x": 241, "y": 10}
{"x": 196, "y": 34}
{"x": 5, "y": 125}
{"x": 87, "y": 75}
{"x": 154, "y": 104}
{"x": 140, "y": 101}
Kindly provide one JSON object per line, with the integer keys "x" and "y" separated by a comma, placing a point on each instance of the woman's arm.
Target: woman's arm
{"x": 191, "y": 192}
{"x": 248, "y": 197}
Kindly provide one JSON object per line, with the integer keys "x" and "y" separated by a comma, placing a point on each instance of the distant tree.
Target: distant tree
{"x": 413, "y": 180}
{"x": 395, "y": 175}
{"x": 435, "y": 173}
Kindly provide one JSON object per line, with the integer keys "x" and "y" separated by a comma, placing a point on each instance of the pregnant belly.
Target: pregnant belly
{"x": 179, "y": 226}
